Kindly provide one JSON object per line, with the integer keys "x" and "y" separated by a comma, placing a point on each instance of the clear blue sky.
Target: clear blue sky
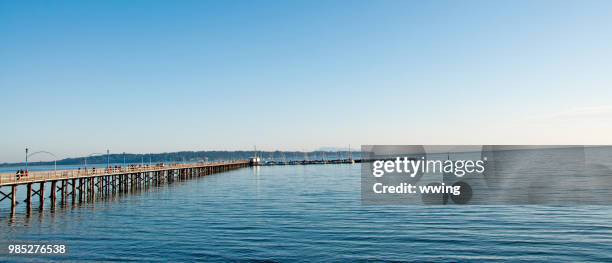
{"x": 78, "y": 77}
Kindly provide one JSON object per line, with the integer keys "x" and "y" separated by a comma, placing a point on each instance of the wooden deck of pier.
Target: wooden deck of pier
{"x": 90, "y": 185}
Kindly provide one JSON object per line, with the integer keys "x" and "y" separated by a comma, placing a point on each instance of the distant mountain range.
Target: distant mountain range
{"x": 194, "y": 156}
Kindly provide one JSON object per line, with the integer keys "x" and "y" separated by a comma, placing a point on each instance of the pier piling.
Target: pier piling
{"x": 41, "y": 195}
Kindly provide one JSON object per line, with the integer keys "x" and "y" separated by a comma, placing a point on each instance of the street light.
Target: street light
{"x": 26, "y": 160}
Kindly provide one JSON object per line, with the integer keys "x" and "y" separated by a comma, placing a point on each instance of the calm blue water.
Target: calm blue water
{"x": 307, "y": 213}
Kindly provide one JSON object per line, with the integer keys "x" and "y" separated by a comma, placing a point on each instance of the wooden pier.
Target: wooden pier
{"x": 90, "y": 185}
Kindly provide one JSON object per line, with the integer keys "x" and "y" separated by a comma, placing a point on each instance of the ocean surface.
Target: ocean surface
{"x": 304, "y": 213}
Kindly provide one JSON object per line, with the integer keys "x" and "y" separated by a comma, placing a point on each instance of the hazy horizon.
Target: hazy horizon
{"x": 44, "y": 158}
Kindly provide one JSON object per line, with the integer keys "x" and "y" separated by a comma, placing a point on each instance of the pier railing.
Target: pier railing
{"x": 38, "y": 176}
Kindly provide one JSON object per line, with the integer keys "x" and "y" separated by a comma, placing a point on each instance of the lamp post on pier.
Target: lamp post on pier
{"x": 26, "y": 160}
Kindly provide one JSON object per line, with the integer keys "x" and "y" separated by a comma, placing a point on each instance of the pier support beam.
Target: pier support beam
{"x": 81, "y": 182}
{"x": 92, "y": 189}
{"x": 64, "y": 187}
{"x": 74, "y": 190}
{"x": 13, "y": 198}
{"x": 53, "y": 194}
{"x": 41, "y": 194}
{"x": 29, "y": 197}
